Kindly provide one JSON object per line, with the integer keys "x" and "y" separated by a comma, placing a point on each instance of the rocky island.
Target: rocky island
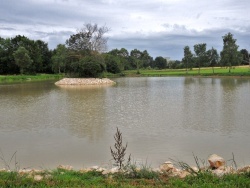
{"x": 85, "y": 81}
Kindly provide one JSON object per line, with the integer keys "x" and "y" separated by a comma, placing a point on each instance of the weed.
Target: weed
{"x": 119, "y": 152}
{"x": 8, "y": 164}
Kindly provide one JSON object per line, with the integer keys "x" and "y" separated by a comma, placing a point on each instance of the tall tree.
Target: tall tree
{"x": 46, "y": 55}
{"x": 213, "y": 57}
{"x": 229, "y": 54}
{"x": 146, "y": 59}
{"x": 200, "y": 52}
{"x": 187, "y": 59}
{"x": 22, "y": 59}
{"x": 136, "y": 56}
{"x": 59, "y": 58}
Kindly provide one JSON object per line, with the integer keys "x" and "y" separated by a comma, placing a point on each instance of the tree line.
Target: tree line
{"x": 84, "y": 55}
{"x": 228, "y": 57}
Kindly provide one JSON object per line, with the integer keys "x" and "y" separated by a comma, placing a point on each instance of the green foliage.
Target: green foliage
{"x": 187, "y": 59}
{"x": 200, "y": 52}
{"x": 160, "y": 62}
{"x": 89, "y": 66}
{"x": 230, "y": 55}
{"x": 37, "y": 50}
{"x": 22, "y": 59}
{"x": 59, "y": 58}
{"x": 112, "y": 64}
{"x": 245, "y": 57}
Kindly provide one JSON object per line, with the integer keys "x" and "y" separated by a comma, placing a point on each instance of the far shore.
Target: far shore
{"x": 206, "y": 72}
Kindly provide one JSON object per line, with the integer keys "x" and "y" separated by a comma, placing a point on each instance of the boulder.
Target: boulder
{"x": 216, "y": 161}
{"x": 183, "y": 174}
{"x": 167, "y": 166}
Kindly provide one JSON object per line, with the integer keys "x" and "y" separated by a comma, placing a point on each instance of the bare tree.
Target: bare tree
{"x": 90, "y": 37}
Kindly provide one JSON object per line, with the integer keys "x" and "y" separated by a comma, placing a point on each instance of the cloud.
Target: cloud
{"x": 163, "y": 27}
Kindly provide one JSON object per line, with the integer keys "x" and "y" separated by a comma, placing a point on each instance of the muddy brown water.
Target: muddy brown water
{"x": 160, "y": 118}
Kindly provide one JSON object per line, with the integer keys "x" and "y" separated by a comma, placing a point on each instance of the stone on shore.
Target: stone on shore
{"x": 244, "y": 169}
{"x": 216, "y": 161}
{"x": 85, "y": 81}
{"x": 38, "y": 177}
{"x": 3, "y": 170}
{"x": 221, "y": 171}
{"x": 169, "y": 168}
{"x": 65, "y": 167}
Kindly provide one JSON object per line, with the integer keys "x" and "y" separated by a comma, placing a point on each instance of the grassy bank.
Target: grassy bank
{"x": 24, "y": 78}
{"x": 64, "y": 178}
{"x": 218, "y": 71}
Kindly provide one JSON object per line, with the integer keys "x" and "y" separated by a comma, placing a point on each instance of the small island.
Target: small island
{"x": 85, "y": 81}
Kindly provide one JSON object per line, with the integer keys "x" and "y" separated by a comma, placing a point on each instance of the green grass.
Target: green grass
{"x": 25, "y": 78}
{"x": 62, "y": 178}
{"x": 218, "y": 71}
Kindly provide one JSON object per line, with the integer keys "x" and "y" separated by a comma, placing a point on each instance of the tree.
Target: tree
{"x": 122, "y": 55}
{"x": 229, "y": 54}
{"x": 89, "y": 66}
{"x": 200, "y": 52}
{"x": 136, "y": 56}
{"x": 46, "y": 56}
{"x": 89, "y": 38}
{"x": 22, "y": 59}
{"x": 84, "y": 48}
{"x": 34, "y": 52}
{"x": 213, "y": 57}
{"x": 160, "y": 62}
{"x": 112, "y": 64}
{"x": 146, "y": 59}
{"x": 187, "y": 59}
{"x": 245, "y": 56}
{"x": 59, "y": 58}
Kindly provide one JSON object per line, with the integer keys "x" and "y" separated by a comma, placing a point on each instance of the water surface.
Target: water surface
{"x": 160, "y": 118}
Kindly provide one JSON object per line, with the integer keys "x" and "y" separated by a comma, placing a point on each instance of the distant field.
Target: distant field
{"x": 218, "y": 71}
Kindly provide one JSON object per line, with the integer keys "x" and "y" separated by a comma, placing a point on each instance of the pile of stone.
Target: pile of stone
{"x": 85, "y": 81}
{"x": 217, "y": 166}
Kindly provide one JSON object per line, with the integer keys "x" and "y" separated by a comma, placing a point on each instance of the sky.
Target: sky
{"x": 162, "y": 27}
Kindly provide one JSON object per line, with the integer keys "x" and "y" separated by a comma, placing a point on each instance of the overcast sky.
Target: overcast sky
{"x": 162, "y": 27}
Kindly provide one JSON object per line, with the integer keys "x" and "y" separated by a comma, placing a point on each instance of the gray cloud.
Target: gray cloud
{"x": 161, "y": 27}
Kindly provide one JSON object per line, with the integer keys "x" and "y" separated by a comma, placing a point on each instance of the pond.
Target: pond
{"x": 160, "y": 118}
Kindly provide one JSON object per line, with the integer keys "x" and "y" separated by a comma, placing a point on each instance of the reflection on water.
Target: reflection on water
{"x": 160, "y": 118}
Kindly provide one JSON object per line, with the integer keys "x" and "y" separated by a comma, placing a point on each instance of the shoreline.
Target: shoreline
{"x": 216, "y": 165}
